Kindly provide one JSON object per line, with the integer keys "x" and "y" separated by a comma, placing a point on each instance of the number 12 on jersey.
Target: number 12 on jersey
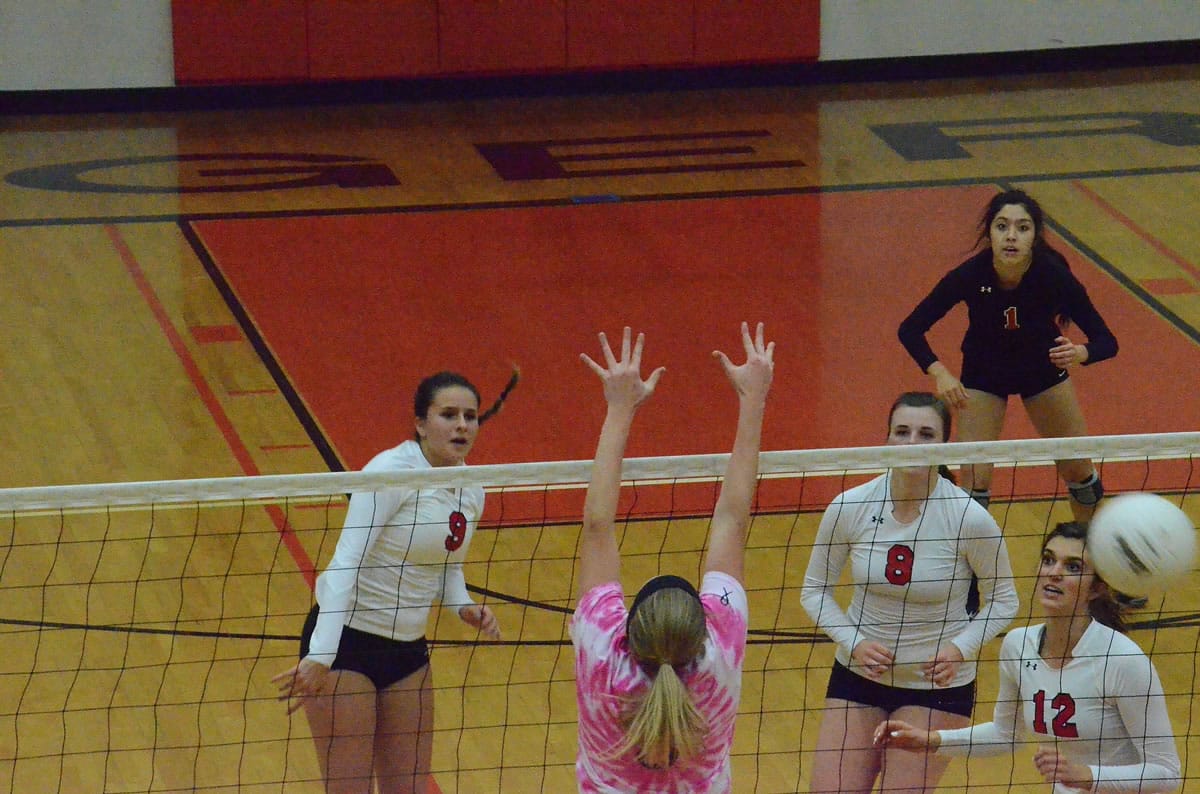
{"x": 1064, "y": 706}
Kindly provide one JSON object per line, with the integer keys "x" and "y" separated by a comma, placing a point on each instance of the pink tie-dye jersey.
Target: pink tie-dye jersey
{"x": 606, "y": 675}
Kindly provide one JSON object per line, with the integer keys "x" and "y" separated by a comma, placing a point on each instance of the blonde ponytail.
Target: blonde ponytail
{"x": 664, "y": 727}
{"x": 666, "y": 633}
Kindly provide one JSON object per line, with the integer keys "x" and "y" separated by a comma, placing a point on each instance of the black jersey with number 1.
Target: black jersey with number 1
{"x": 1012, "y": 329}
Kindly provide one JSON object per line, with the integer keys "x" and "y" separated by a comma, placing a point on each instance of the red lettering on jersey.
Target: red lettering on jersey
{"x": 1061, "y": 724}
{"x": 458, "y": 531}
{"x": 1010, "y": 319}
{"x": 899, "y": 564}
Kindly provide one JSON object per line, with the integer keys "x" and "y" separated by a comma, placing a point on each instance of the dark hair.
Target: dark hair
{"x": 428, "y": 389}
{"x": 1104, "y": 609}
{"x": 1023, "y": 199}
{"x": 1002, "y": 200}
{"x": 924, "y": 399}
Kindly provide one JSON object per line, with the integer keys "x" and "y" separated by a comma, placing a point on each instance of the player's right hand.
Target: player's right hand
{"x": 897, "y": 733}
{"x": 948, "y": 388}
{"x": 871, "y": 660}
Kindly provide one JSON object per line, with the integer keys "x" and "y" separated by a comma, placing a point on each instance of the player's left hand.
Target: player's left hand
{"x": 1064, "y": 354}
{"x": 1054, "y": 767}
{"x": 482, "y": 618}
{"x": 752, "y": 379}
{"x": 944, "y": 666}
{"x": 305, "y": 680}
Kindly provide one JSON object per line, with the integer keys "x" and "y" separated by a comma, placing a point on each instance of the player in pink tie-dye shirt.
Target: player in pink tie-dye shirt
{"x": 658, "y": 685}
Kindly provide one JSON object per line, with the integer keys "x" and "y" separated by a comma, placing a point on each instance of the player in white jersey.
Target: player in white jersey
{"x": 905, "y": 645}
{"x": 1075, "y": 688}
{"x": 363, "y": 678}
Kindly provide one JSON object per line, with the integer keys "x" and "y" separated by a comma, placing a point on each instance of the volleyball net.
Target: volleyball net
{"x": 142, "y": 622}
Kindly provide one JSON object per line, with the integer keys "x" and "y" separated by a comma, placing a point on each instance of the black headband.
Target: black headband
{"x": 651, "y": 587}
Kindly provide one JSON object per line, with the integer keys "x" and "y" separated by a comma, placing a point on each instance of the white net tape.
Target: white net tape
{"x": 1143, "y": 447}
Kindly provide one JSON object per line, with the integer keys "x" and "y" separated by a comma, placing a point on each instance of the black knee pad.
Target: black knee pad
{"x": 1088, "y": 492}
{"x": 982, "y": 495}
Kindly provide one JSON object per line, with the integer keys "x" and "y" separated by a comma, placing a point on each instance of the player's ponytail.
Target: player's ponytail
{"x": 428, "y": 388}
{"x": 666, "y": 633}
{"x": 507, "y": 390}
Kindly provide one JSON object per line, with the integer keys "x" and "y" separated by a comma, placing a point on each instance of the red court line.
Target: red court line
{"x": 1129, "y": 223}
{"x": 220, "y": 418}
{"x": 1169, "y": 286}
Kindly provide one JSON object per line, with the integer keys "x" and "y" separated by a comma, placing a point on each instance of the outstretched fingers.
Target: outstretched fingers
{"x": 652, "y": 381}
{"x": 757, "y": 346}
{"x": 295, "y": 686}
{"x": 623, "y": 383}
{"x": 609, "y": 360}
{"x": 754, "y": 376}
{"x": 599, "y": 370}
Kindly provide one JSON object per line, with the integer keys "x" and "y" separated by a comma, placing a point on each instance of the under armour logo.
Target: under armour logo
{"x": 725, "y": 598}
{"x": 985, "y": 289}
{"x": 876, "y": 519}
{"x": 1031, "y": 665}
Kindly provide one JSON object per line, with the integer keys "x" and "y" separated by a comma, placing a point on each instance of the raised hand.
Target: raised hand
{"x": 753, "y": 378}
{"x": 623, "y": 384}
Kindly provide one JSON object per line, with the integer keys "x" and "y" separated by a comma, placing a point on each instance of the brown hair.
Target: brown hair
{"x": 1103, "y": 609}
{"x": 428, "y": 389}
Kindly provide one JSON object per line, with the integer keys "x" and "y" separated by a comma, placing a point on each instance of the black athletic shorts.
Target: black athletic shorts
{"x": 381, "y": 659}
{"x": 1003, "y": 381}
{"x": 847, "y": 685}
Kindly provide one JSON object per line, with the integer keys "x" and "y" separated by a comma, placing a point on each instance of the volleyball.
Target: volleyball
{"x": 1140, "y": 543}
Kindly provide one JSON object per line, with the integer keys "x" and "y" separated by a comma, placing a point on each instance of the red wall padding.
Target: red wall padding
{"x": 364, "y": 39}
{"x": 254, "y": 41}
{"x": 757, "y": 30}
{"x": 239, "y": 41}
{"x": 502, "y": 35}
{"x": 610, "y": 33}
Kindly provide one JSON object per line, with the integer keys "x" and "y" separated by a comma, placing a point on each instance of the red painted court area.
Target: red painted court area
{"x": 356, "y": 308}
